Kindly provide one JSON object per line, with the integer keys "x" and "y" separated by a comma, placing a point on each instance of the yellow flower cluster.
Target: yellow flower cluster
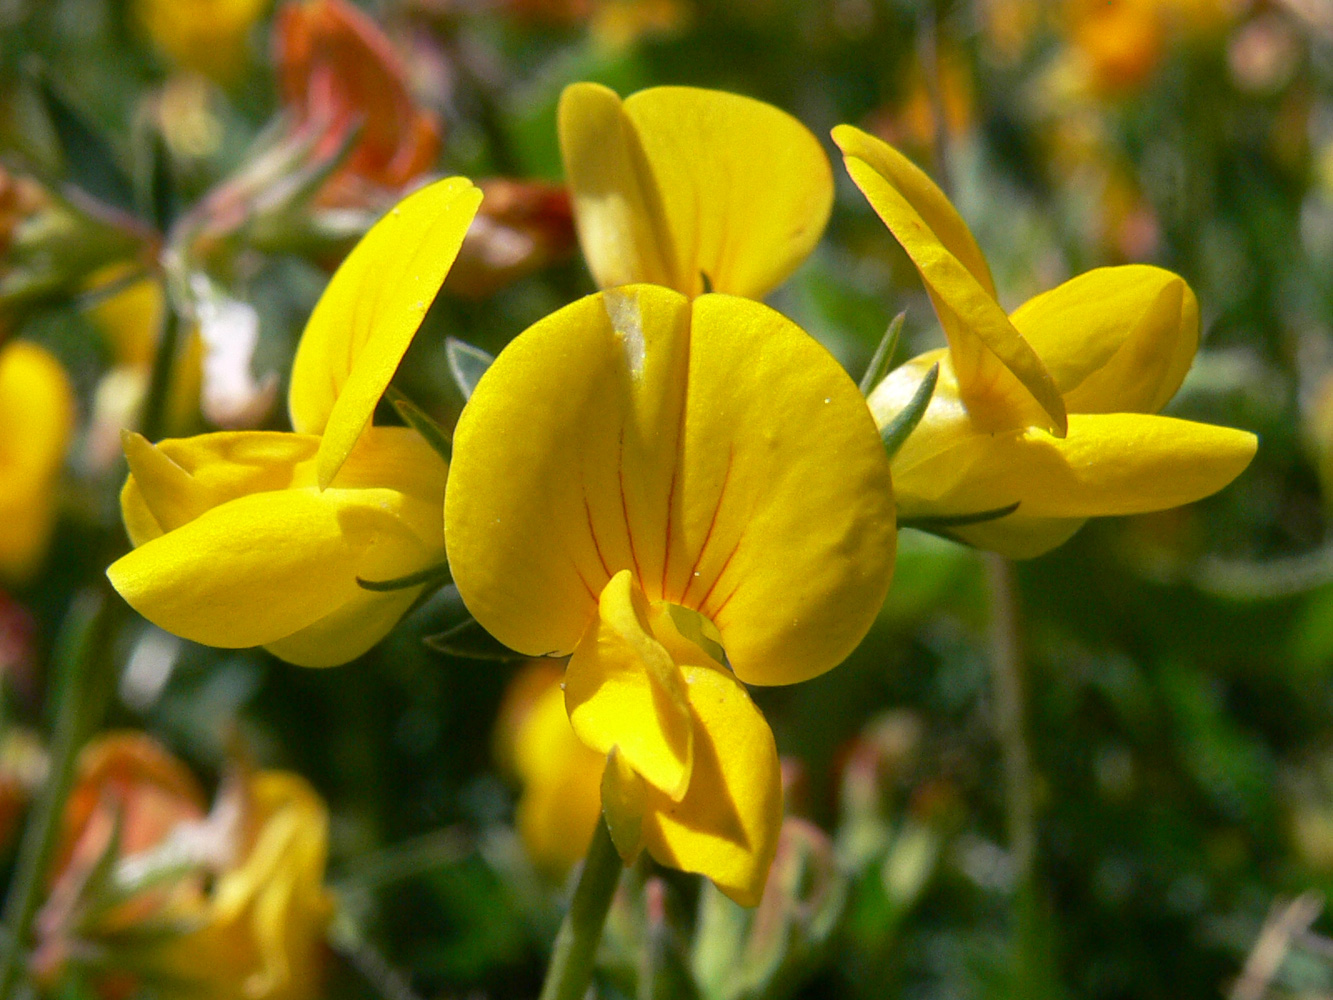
{"x": 667, "y": 482}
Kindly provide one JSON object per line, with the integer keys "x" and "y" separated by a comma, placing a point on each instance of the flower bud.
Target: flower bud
{"x": 338, "y": 72}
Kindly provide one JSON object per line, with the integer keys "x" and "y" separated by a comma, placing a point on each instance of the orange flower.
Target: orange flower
{"x": 338, "y": 71}
{"x": 125, "y": 780}
{"x": 154, "y": 893}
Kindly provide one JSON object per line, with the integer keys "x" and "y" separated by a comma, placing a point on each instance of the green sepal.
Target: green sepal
{"x": 467, "y": 364}
{"x": 422, "y": 422}
{"x": 898, "y": 429}
{"x": 469, "y": 641}
{"x": 882, "y": 359}
{"x": 960, "y": 520}
{"x": 431, "y": 574}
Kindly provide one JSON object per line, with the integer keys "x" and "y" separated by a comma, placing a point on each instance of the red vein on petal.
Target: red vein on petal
{"x": 624, "y": 509}
{"x": 592, "y": 532}
{"x": 718, "y": 579}
{"x": 708, "y": 535}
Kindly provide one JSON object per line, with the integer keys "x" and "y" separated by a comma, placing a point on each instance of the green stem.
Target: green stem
{"x": 152, "y": 424}
{"x": 570, "y": 971}
{"x": 84, "y": 644}
{"x": 1007, "y": 678}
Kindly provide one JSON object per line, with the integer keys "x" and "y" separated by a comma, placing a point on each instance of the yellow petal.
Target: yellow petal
{"x": 727, "y": 825}
{"x": 261, "y": 567}
{"x": 1115, "y": 339}
{"x": 173, "y": 482}
{"x": 923, "y": 195}
{"x": 176, "y": 480}
{"x": 717, "y": 452}
{"x": 1109, "y": 464}
{"x": 624, "y": 801}
{"x": 623, "y": 689}
{"x": 349, "y": 630}
{"x": 36, "y": 423}
{"x": 677, "y": 182}
{"x": 617, "y": 208}
{"x": 269, "y": 912}
{"x": 367, "y": 316}
{"x": 785, "y": 538}
{"x": 1000, "y": 375}
{"x": 1018, "y": 538}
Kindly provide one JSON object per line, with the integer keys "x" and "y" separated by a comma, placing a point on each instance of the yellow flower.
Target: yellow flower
{"x": 260, "y": 538}
{"x": 561, "y": 778}
{"x": 229, "y": 906}
{"x": 207, "y": 36}
{"x": 263, "y": 933}
{"x": 36, "y": 423}
{"x": 680, "y": 186}
{"x": 1052, "y": 408}
{"x": 646, "y": 481}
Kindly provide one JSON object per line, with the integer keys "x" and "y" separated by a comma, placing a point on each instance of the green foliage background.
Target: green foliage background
{"x": 1179, "y": 668}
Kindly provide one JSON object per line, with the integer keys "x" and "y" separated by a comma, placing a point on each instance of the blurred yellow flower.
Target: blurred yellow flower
{"x": 561, "y": 779}
{"x": 692, "y": 189}
{"x": 1049, "y": 411}
{"x": 36, "y": 424}
{"x": 130, "y": 317}
{"x": 263, "y": 933}
{"x": 206, "y": 36}
{"x": 645, "y": 481}
{"x": 261, "y": 538}
{"x": 229, "y": 905}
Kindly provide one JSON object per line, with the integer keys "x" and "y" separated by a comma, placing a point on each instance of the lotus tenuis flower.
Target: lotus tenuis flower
{"x": 1046, "y": 416}
{"x": 691, "y": 189}
{"x": 261, "y": 538}
{"x": 227, "y": 904}
{"x": 36, "y": 423}
{"x": 685, "y": 496}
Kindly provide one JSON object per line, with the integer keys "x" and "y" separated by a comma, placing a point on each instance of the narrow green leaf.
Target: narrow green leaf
{"x": 883, "y": 357}
{"x": 467, "y": 364}
{"x": 431, "y": 574}
{"x": 910, "y": 415}
{"x": 471, "y": 642}
{"x": 89, "y": 161}
{"x": 163, "y": 202}
{"x": 422, "y": 422}
{"x": 708, "y": 282}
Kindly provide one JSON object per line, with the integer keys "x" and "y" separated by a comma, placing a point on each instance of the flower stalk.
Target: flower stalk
{"x": 571, "y": 966}
{"x": 1007, "y": 679}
